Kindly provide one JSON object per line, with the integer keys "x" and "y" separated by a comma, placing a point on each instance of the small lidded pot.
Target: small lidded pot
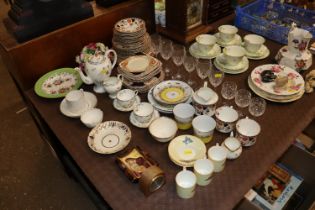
{"x": 226, "y": 117}
{"x": 204, "y": 100}
{"x": 247, "y": 131}
{"x": 233, "y": 146}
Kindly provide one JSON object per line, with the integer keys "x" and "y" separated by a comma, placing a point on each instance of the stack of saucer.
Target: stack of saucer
{"x": 141, "y": 72}
{"x": 276, "y": 83}
{"x": 130, "y": 37}
{"x": 166, "y": 95}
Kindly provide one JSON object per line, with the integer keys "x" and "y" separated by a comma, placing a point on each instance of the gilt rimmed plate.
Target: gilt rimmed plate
{"x": 172, "y": 92}
{"x": 109, "y": 137}
{"x": 57, "y": 83}
{"x": 130, "y": 25}
{"x": 184, "y": 150}
{"x": 139, "y": 63}
{"x": 295, "y": 84}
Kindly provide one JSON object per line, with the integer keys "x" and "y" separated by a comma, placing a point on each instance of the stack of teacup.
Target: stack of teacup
{"x": 141, "y": 72}
{"x": 130, "y": 38}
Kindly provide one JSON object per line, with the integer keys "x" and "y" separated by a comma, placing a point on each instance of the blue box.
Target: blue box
{"x": 273, "y": 19}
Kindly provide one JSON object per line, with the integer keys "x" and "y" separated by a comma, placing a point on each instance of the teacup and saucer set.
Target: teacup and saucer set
{"x": 232, "y": 60}
{"x": 77, "y": 102}
{"x": 143, "y": 114}
{"x": 205, "y": 47}
{"x": 228, "y": 36}
{"x": 126, "y": 100}
{"x": 254, "y": 47}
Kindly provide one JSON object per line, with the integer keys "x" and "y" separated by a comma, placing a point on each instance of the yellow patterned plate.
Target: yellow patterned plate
{"x": 172, "y": 92}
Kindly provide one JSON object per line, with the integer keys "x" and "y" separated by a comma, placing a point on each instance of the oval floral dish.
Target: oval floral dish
{"x": 295, "y": 80}
{"x": 109, "y": 137}
{"x": 57, "y": 83}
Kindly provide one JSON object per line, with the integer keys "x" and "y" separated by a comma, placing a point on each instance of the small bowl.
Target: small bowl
{"x": 163, "y": 129}
{"x": 92, "y": 117}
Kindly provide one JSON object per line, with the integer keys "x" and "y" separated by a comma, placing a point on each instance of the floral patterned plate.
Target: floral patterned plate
{"x": 130, "y": 25}
{"x": 57, "y": 83}
{"x": 109, "y": 137}
{"x": 295, "y": 84}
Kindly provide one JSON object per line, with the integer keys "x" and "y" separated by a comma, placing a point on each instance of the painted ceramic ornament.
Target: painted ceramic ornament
{"x": 296, "y": 55}
{"x": 310, "y": 81}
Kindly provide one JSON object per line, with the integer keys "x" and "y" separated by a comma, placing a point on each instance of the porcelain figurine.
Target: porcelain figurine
{"x": 296, "y": 54}
{"x": 310, "y": 82}
{"x": 97, "y": 66}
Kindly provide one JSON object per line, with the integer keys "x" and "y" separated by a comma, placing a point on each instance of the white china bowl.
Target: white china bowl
{"x": 92, "y": 117}
{"x": 163, "y": 129}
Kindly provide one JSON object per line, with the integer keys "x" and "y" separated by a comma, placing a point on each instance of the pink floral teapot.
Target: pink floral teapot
{"x": 296, "y": 55}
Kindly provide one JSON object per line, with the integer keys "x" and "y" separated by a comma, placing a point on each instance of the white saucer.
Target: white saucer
{"x": 262, "y": 53}
{"x": 236, "y": 41}
{"x": 133, "y": 120}
{"x": 237, "y": 69}
{"x": 214, "y": 52}
{"x": 91, "y": 103}
{"x": 128, "y": 109}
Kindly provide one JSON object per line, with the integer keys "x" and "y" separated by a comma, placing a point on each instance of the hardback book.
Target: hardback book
{"x": 276, "y": 187}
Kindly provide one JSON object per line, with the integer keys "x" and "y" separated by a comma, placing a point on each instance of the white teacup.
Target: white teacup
{"x": 247, "y": 131}
{"x": 218, "y": 155}
{"x": 76, "y": 101}
{"x": 204, "y": 126}
{"x": 226, "y": 118}
{"x": 227, "y": 32}
{"x": 185, "y": 184}
{"x": 233, "y": 55}
{"x": 253, "y": 42}
{"x": 112, "y": 85}
{"x": 126, "y": 97}
{"x": 92, "y": 117}
{"x": 143, "y": 112}
{"x": 205, "y": 42}
{"x": 203, "y": 169}
{"x": 184, "y": 114}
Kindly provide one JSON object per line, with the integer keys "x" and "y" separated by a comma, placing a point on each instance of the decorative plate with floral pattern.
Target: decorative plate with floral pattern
{"x": 295, "y": 81}
{"x": 130, "y": 25}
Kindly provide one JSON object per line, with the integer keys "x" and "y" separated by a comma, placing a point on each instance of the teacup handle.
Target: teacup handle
{"x": 205, "y": 84}
{"x": 136, "y": 92}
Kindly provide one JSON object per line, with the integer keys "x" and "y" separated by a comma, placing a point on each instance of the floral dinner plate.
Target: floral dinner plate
{"x": 295, "y": 80}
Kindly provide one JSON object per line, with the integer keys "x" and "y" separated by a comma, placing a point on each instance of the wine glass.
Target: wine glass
{"x": 203, "y": 68}
{"x": 166, "y": 53}
{"x": 215, "y": 77}
{"x": 179, "y": 54}
{"x": 190, "y": 65}
{"x": 155, "y": 44}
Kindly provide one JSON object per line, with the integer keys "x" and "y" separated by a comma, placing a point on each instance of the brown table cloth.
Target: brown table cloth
{"x": 280, "y": 124}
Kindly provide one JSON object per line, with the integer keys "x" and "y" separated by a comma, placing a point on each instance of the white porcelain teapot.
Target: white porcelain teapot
{"x": 97, "y": 68}
{"x": 296, "y": 54}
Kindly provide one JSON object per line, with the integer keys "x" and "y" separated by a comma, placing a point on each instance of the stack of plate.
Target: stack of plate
{"x": 141, "y": 72}
{"x": 293, "y": 90}
{"x": 130, "y": 37}
{"x": 166, "y": 95}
